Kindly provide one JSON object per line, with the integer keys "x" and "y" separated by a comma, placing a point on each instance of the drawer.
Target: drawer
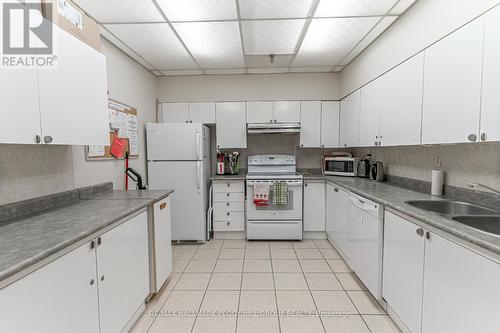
{"x": 229, "y": 186}
{"x": 229, "y": 226}
{"x": 230, "y": 216}
{"x": 229, "y": 197}
{"x": 238, "y": 206}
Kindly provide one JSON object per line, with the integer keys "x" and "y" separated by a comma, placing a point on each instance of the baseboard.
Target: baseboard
{"x": 229, "y": 235}
{"x": 314, "y": 235}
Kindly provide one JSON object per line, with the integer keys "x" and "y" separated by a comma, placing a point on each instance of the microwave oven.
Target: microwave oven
{"x": 340, "y": 166}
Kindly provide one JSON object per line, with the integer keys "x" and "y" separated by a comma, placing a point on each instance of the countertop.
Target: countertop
{"x": 241, "y": 176}
{"x": 27, "y": 241}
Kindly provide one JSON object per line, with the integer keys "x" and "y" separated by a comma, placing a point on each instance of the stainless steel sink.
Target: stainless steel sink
{"x": 488, "y": 224}
{"x": 451, "y": 208}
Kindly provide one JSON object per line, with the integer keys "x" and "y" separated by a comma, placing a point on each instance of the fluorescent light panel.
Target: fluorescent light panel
{"x": 109, "y": 36}
{"x": 271, "y": 37}
{"x": 342, "y": 8}
{"x": 401, "y": 7}
{"x": 121, "y": 11}
{"x": 199, "y": 10}
{"x": 262, "y": 9}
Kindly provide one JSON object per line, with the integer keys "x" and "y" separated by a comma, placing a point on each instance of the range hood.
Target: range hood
{"x": 273, "y": 128}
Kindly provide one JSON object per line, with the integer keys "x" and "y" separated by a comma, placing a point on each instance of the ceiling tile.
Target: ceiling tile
{"x": 213, "y": 44}
{"x": 310, "y": 69}
{"x": 257, "y": 61}
{"x": 199, "y": 10}
{"x": 226, "y": 71}
{"x": 271, "y": 37}
{"x": 183, "y": 72}
{"x": 401, "y": 7}
{"x": 341, "y": 8}
{"x": 119, "y": 44}
{"x": 121, "y": 11}
{"x": 156, "y": 43}
{"x": 328, "y": 41}
{"x": 262, "y": 9}
{"x": 267, "y": 70}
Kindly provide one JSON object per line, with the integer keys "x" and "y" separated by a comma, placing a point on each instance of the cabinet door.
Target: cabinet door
{"x": 260, "y": 112}
{"x": 231, "y": 125}
{"x": 403, "y": 269}
{"x": 337, "y": 214}
{"x": 73, "y": 96}
{"x": 349, "y": 120}
{"x": 310, "y": 124}
{"x": 202, "y": 113}
{"x": 461, "y": 289}
{"x": 175, "y": 112}
{"x": 401, "y": 103}
{"x": 123, "y": 272}
{"x": 452, "y": 86}
{"x": 57, "y": 298}
{"x": 20, "y": 108}
{"x": 369, "y": 118}
{"x": 314, "y": 206}
{"x": 287, "y": 111}
{"x": 330, "y": 117}
{"x": 490, "y": 108}
{"x": 163, "y": 241}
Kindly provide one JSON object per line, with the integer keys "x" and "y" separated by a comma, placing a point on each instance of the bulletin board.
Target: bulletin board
{"x": 123, "y": 124}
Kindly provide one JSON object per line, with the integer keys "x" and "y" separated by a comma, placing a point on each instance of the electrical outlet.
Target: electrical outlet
{"x": 438, "y": 161}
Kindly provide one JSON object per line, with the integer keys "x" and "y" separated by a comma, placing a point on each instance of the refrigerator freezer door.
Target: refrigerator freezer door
{"x": 175, "y": 142}
{"x": 189, "y": 202}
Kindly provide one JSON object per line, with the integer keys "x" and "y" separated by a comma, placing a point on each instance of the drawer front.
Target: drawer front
{"x": 230, "y": 216}
{"x": 229, "y": 226}
{"x": 229, "y": 186}
{"x": 229, "y": 197}
{"x": 238, "y": 206}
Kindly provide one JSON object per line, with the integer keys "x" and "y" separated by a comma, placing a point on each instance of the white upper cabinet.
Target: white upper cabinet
{"x": 349, "y": 120}
{"x": 175, "y": 112}
{"x": 369, "y": 119}
{"x": 286, "y": 111}
{"x": 401, "y": 103}
{"x": 231, "y": 125}
{"x": 20, "y": 109}
{"x": 73, "y": 96}
{"x": 202, "y": 113}
{"x": 260, "y": 112}
{"x": 452, "y": 86}
{"x": 490, "y": 108}
{"x": 310, "y": 124}
{"x": 330, "y": 117}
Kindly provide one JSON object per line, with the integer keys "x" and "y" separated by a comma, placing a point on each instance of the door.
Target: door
{"x": 349, "y": 120}
{"x": 330, "y": 117}
{"x": 175, "y": 112}
{"x": 369, "y": 119}
{"x": 260, "y": 112}
{"x": 337, "y": 215}
{"x": 490, "y": 108}
{"x": 163, "y": 241}
{"x": 60, "y": 297}
{"x": 310, "y": 124}
{"x": 452, "y": 86}
{"x": 202, "y": 113}
{"x": 231, "y": 125}
{"x": 20, "y": 108}
{"x": 174, "y": 142}
{"x": 188, "y": 206}
{"x": 123, "y": 272}
{"x": 403, "y": 269}
{"x": 401, "y": 103}
{"x": 461, "y": 289}
{"x": 287, "y": 111}
{"x": 314, "y": 206}
{"x": 73, "y": 96}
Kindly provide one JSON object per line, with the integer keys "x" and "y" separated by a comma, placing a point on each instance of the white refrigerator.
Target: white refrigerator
{"x": 178, "y": 159}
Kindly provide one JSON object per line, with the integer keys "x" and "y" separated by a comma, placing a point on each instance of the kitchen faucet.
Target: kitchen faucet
{"x": 477, "y": 185}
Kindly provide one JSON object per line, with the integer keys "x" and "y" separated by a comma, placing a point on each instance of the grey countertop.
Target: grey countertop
{"x": 241, "y": 176}
{"x": 149, "y": 195}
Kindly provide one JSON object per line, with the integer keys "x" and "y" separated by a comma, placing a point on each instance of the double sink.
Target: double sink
{"x": 481, "y": 218}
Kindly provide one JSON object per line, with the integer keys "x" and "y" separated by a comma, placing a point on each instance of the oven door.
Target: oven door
{"x": 291, "y": 211}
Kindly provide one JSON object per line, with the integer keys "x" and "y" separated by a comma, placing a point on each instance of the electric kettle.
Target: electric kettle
{"x": 377, "y": 171}
{"x": 364, "y": 166}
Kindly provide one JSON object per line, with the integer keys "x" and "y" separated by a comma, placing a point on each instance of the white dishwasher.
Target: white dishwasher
{"x": 364, "y": 242}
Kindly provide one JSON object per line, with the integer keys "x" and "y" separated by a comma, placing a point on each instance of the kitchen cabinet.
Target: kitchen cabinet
{"x": 349, "y": 120}
{"x": 202, "y": 113}
{"x": 59, "y": 297}
{"x": 369, "y": 114}
{"x": 330, "y": 117}
{"x": 231, "y": 130}
{"x": 229, "y": 205}
{"x": 403, "y": 269}
{"x": 260, "y": 112}
{"x": 401, "y": 103}
{"x": 286, "y": 111}
{"x": 490, "y": 107}
{"x": 452, "y": 86}
{"x": 310, "y": 124}
{"x": 73, "y": 96}
{"x": 314, "y": 205}
{"x": 175, "y": 112}
{"x": 337, "y": 217}
{"x": 162, "y": 221}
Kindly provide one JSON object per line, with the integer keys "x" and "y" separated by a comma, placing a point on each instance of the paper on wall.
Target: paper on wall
{"x": 123, "y": 125}
{"x": 96, "y": 151}
{"x": 113, "y": 119}
{"x": 133, "y": 142}
{"x": 132, "y": 123}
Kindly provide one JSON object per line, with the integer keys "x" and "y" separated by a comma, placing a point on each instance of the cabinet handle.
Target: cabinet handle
{"x": 305, "y": 184}
{"x": 228, "y": 223}
{"x": 271, "y": 121}
{"x": 483, "y": 136}
{"x": 191, "y": 121}
{"x": 376, "y": 143}
{"x": 322, "y": 146}
{"x": 420, "y": 231}
{"x": 163, "y": 205}
{"x": 228, "y": 213}
{"x": 99, "y": 241}
{"x": 227, "y": 194}
{"x": 335, "y": 190}
{"x": 47, "y": 139}
{"x": 102, "y": 277}
{"x": 301, "y": 145}
{"x": 228, "y": 184}
{"x": 428, "y": 235}
{"x": 92, "y": 245}
{"x": 227, "y": 204}
{"x": 472, "y": 137}
{"x": 38, "y": 138}
{"x": 92, "y": 282}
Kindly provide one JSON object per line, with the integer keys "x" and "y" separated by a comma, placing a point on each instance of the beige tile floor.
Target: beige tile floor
{"x": 240, "y": 286}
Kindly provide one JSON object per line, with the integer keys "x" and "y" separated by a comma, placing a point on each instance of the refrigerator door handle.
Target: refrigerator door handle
{"x": 198, "y": 176}
{"x": 198, "y": 146}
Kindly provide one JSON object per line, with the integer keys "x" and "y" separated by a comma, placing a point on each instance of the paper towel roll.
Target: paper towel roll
{"x": 437, "y": 183}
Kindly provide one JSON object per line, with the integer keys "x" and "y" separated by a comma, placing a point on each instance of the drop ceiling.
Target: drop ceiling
{"x": 195, "y": 37}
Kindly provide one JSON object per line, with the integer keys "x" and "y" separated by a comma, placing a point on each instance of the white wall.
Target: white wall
{"x": 315, "y": 86}
{"x": 423, "y": 24}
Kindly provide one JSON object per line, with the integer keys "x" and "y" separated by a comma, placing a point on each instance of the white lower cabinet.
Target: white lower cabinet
{"x": 314, "y": 206}
{"x": 337, "y": 214}
{"x": 162, "y": 220}
{"x": 228, "y": 205}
